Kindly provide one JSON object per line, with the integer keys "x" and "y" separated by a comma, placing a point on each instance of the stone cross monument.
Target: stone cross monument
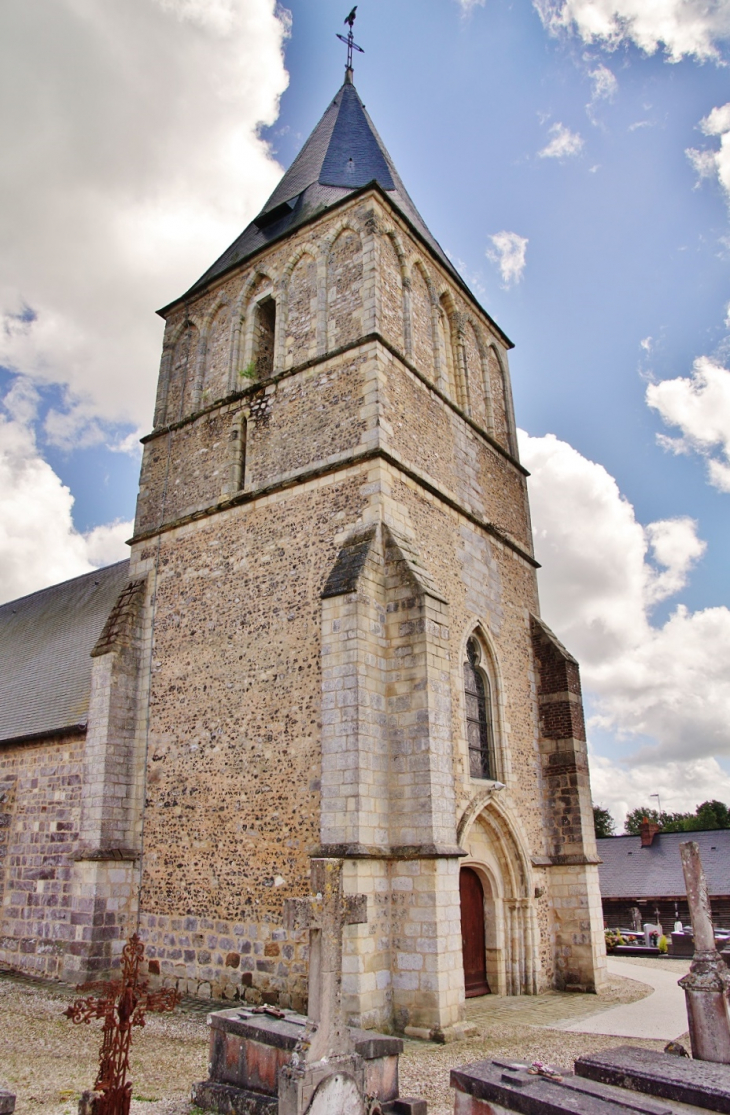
{"x": 328, "y": 1051}
{"x": 707, "y": 984}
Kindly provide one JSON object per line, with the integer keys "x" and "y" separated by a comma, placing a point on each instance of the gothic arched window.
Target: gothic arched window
{"x": 479, "y": 732}
{"x": 263, "y": 337}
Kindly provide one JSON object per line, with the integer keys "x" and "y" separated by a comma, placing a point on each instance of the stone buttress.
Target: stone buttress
{"x": 105, "y": 877}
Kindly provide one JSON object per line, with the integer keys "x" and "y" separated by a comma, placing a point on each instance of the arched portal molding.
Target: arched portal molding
{"x": 499, "y": 821}
{"x": 497, "y": 850}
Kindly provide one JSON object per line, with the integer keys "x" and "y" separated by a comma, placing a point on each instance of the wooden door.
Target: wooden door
{"x": 472, "y": 933}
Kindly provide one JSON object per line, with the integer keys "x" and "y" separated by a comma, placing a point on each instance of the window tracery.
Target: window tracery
{"x": 479, "y": 718}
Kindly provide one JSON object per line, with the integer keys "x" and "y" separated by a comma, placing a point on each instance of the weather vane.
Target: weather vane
{"x": 349, "y": 41}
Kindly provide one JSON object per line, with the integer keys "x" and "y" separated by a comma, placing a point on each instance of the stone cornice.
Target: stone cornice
{"x": 370, "y": 338}
{"x": 340, "y": 465}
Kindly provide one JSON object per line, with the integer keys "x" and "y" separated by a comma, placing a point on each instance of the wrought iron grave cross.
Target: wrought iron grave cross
{"x": 122, "y": 1004}
{"x": 325, "y": 916}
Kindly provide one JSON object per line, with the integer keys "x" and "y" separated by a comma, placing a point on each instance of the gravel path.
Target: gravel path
{"x": 48, "y": 1062}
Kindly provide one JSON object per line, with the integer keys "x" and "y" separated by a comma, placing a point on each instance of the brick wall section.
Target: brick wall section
{"x": 41, "y": 838}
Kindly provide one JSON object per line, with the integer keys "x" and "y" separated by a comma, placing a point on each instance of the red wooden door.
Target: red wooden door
{"x": 472, "y": 933}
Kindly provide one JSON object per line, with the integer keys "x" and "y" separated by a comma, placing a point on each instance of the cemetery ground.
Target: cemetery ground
{"x": 47, "y": 1061}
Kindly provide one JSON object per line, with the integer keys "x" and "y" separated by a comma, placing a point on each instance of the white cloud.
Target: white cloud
{"x": 700, "y": 407}
{"x": 681, "y": 786}
{"x": 682, "y": 28}
{"x": 602, "y": 574}
{"x": 508, "y": 252}
{"x": 708, "y": 163}
{"x": 38, "y": 542}
{"x": 563, "y": 144}
{"x": 604, "y": 83}
{"x": 131, "y": 159}
{"x": 605, "y": 86}
{"x": 468, "y": 6}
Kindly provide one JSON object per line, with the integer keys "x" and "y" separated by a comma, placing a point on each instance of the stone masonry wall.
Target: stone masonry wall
{"x": 234, "y": 756}
{"x": 354, "y": 438}
{"x": 41, "y": 836}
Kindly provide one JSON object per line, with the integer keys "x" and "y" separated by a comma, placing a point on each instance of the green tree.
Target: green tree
{"x": 632, "y": 824}
{"x": 708, "y": 815}
{"x": 603, "y": 822}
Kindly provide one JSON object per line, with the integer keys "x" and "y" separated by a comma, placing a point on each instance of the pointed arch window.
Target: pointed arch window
{"x": 479, "y": 722}
{"x": 263, "y": 338}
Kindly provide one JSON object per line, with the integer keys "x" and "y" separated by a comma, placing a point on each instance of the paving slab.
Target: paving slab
{"x": 660, "y": 1016}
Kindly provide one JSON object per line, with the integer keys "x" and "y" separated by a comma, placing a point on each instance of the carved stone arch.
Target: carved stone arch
{"x": 393, "y": 312}
{"x": 207, "y": 319}
{"x": 182, "y": 363}
{"x": 344, "y": 282}
{"x": 202, "y": 371}
{"x": 422, "y": 318}
{"x": 258, "y": 286}
{"x": 505, "y": 419}
{"x": 445, "y": 348}
{"x": 452, "y": 367}
{"x": 345, "y": 225}
{"x": 163, "y": 382}
{"x": 173, "y": 336}
{"x": 480, "y": 387}
{"x": 479, "y": 631}
{"x": 497, "y": 851}
{"x": 294, "y": 347}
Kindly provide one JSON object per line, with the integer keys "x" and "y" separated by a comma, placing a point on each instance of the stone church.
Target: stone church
{"x": 326, "y": 640}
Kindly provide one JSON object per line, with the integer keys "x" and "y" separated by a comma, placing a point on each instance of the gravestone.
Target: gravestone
{"x": 265, "y": 1061}
{"x": 676, "y": 1079}
{"x": 623, "y": 1081}
{"x": 707, "y": 984}
{"x": 7, "y": 1102}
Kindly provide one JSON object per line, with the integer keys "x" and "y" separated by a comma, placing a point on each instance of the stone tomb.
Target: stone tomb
{"x": 7, "y": 1102}
{"x": 263, "y": 1060}
{"x": 249, "y": 1047}
{"x": 623, "y": 1081}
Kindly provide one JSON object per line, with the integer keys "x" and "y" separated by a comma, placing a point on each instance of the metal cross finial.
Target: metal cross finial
{"x": 350, "y": 43}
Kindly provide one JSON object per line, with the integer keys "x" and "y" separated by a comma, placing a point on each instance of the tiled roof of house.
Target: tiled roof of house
{"x": 46, "y": 641}
{"x": 343, "y": 154}
{"x": 630, "y": 871}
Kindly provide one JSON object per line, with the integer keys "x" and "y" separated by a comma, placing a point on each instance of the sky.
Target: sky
{"x": 573, "y": 159}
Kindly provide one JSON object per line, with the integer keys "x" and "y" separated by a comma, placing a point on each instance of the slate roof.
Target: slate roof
{"x": 46, "y": 641}
{"x": 343, "y": 154}
{"x": 630, "y": 871}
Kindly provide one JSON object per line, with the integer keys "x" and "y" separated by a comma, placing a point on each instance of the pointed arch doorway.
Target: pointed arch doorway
{"x": 473, "y": 939}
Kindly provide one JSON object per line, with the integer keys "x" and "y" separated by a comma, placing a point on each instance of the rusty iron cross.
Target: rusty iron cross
{"x": 122, "y": 1004}
{"x": 325, "y": 916}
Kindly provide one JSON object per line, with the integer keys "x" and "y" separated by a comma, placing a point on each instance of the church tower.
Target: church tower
{"x": 340, "y": 649}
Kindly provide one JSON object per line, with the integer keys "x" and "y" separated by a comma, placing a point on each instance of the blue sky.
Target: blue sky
{"x": 148, "y": 156}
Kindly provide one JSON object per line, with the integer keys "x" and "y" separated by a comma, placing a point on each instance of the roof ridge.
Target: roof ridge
{"x": 69, "y": 580}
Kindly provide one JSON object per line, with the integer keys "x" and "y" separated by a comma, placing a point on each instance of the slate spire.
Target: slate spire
{"x": 343, "y": 154}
